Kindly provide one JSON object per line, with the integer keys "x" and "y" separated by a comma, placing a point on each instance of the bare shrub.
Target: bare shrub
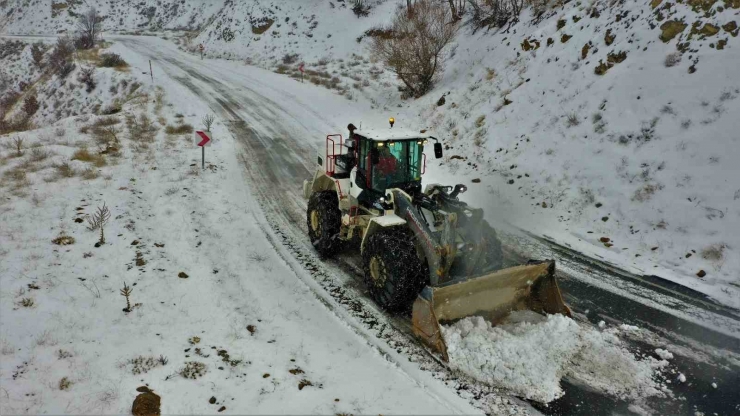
{"x": 112, "y": 60}
{"x": 90, "y": 174}
{"x": 141, "y": 364}
{"x": 360, "y": 8}
{"x": 141, "y": 127}
{"x": 38, "y": 154}
{"x": 30, "y": 105}
{"x": 715, "y": 252}
{"x": 193, "y": 370}
{"x": 672, "y": 59}
{"x": 414, "y": 54}
{"x": 60, "y": 58}
{"x": 98, "y": 220}
{"x": 18, "y": 145}
{"x": 290, "y": 58}
{"x": 65, "y": 170}
{"x": 646, "y": 192}
{"x": 87, "y": 77}
{"x": 63, "y": 354}
{"x": 37, "y": 53}
{"x": 572, "y": 120}
{"x": 65, "y": 383}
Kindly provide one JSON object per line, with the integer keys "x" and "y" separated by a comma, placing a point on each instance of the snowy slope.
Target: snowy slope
{"x": 636, "y": 166}
{"x": 214, "y": 312}
{"x": 633, "y": 164}
{"x": 60, "y": 16}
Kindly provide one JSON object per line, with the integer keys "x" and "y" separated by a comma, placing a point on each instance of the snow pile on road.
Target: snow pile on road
{"x": 531, "y": 356}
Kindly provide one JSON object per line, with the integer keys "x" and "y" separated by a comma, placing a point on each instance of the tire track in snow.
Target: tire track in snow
{"x": 284, "y": 214}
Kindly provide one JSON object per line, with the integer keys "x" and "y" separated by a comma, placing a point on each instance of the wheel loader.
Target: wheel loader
{"x": 421, "y": 249}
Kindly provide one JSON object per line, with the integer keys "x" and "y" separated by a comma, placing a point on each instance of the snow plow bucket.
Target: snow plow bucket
{"x": 493, "y": 296}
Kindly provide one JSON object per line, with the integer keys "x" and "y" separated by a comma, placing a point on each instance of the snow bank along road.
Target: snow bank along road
{"x": 276, "y": 124}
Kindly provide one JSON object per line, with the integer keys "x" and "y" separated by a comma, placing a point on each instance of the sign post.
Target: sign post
{"x": 300, "y": 68}
{"x": 150, "y": 71}
{"x": 200, "y": 47}
{"x": 203, "y": 139}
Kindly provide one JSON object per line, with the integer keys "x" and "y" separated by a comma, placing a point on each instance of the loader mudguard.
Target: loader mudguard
{"x": 320, "y": 182}
{"x": 379, "y": 223}
{"x": 439, "y": 253}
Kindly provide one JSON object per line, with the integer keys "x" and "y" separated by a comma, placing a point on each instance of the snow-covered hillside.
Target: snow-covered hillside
{"x": 607, "y": 126}
{"x": 60, "y": 16}
{"x": 635, "y": 165}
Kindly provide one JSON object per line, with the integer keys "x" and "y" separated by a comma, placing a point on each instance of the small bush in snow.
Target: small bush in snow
{"x": 37, "y": 53}
{"x": 18, "y": 146}
{"x": 360, "y": 8}
{"x": 65, "y": 383}
{"x": 572, "y": 120}
{"x": 714, "y": 252}
{"x": 672, "y": 59}
{"x": 290, "y": 58}
{"x": 97, "y": 221}
{"x": 141, "y": 364}
{"x": 30, "y": 105}
{"x": 415, "y": 53}
{"x": 65, "y": 170}
{"x": 193, "y": 370}
{"x": 87, "y": 77}
{"x": 27, "y": 302}
{"x": 62, "y": 354}
{"x": 646, "y": 192}
{"x": 38, "y": 154}
{"x": 112, "y": 60}
{"x": 60, "y": 59}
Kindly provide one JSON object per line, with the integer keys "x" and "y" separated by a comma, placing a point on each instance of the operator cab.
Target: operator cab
{"x": 369, "y": 162}
{"x": 387, "y": 159}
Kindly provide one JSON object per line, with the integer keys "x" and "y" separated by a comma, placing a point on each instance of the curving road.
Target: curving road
{"x": 276, "y": 147}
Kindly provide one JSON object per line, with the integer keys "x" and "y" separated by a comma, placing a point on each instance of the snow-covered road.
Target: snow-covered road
{"x": 276, "y": 124}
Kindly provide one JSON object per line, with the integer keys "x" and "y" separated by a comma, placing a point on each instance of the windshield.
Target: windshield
{"x": 399, "y": 163}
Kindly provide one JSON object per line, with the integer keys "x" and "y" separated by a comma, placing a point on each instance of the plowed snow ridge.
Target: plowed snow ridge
{"x": 530, "y": 355}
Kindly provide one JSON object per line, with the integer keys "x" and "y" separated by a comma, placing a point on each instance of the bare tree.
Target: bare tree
{"x": 88, "y": 25}
{"x": 457, "y": 8}
{"x": 208, "y": 121}
{"x": 414, "y": 52}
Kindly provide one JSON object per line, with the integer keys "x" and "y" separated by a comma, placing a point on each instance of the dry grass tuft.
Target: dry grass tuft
{"x": 65, "y": 383}
{"x": 84, "y": 155}
{"x": 179, "y": 129}
{"x": 65, "y": 170}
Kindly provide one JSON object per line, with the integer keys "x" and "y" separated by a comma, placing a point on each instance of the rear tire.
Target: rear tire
{"x": 324, "y": 221}
{"x": 492, "y": 257}
{"x": 393, "y": 271}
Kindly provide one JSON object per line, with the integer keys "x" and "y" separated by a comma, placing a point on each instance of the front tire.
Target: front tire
{"x": 393, "y": 271}
{"x": 324, "y": 221}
